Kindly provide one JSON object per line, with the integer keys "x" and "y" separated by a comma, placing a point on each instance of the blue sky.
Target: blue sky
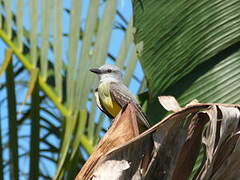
{"x": 124, "y": 6}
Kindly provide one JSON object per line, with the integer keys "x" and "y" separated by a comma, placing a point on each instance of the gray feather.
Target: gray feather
{"x": 123, "y": 96}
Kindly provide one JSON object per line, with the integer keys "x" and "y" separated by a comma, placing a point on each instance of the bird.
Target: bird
{"x": 112, "y": 95}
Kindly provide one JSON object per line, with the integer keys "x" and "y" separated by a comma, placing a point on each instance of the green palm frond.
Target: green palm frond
{"x": 40, "y": 43}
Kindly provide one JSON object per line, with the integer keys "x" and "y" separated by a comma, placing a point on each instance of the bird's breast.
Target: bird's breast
{"x": 108, "y": 103}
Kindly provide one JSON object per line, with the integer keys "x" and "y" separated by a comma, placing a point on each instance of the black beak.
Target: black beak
{"x": 95, "y": 70}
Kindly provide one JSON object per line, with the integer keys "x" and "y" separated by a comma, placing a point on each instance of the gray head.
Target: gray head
{"x": 108, "y": 72}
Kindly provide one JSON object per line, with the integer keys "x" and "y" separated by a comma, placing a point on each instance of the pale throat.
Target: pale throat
{"x": 110, "y": 78}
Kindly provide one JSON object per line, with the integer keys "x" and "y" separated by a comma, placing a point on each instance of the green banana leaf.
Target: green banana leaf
{"x": 189, "y": 49}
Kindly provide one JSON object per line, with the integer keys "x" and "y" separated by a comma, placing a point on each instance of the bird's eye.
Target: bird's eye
{"x": 109, "y": 70}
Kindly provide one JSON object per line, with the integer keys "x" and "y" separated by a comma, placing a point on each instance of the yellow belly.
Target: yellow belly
{"x": 109, "y": 105}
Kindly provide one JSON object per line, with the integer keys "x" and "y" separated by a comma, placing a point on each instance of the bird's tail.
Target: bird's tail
{"x": 141, "y": 117}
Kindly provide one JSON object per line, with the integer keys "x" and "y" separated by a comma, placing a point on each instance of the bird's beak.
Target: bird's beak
{"x": 95, "y": 70}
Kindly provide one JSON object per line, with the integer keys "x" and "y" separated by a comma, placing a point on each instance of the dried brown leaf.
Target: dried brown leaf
{"x": 123, "y": 129}
{"x": 223, "y": 124}
{"x": 191, "y": 147}
{"x": 169, "y": 149}
{"x": 169, "y": 103}
{"x": 139, "y": 151}
{"x": 229, "y": 168}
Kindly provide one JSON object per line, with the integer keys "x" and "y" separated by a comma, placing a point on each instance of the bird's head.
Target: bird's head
{"x": 108, "y": 72}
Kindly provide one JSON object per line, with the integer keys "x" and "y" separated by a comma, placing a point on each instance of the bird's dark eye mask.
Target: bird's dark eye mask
{"x": 108, "y": 71}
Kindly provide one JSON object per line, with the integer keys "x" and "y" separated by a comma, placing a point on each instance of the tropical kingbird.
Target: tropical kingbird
{"x": 112, "y": 95}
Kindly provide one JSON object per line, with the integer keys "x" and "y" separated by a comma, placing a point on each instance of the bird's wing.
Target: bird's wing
{"x": 99, "y": 104}
{"x": 121, "y": 95}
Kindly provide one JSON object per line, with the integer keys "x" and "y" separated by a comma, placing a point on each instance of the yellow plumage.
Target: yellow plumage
{"x": 107, "y": 102}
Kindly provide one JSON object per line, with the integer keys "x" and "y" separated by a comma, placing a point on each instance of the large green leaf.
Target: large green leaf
{"x": 177, "y": 36}
{"x": 190, "y": 50}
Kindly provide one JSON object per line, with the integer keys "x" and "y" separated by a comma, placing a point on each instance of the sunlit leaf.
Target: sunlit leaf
{"x": 179, "y": 36}
{"x": 190, "y": 50}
